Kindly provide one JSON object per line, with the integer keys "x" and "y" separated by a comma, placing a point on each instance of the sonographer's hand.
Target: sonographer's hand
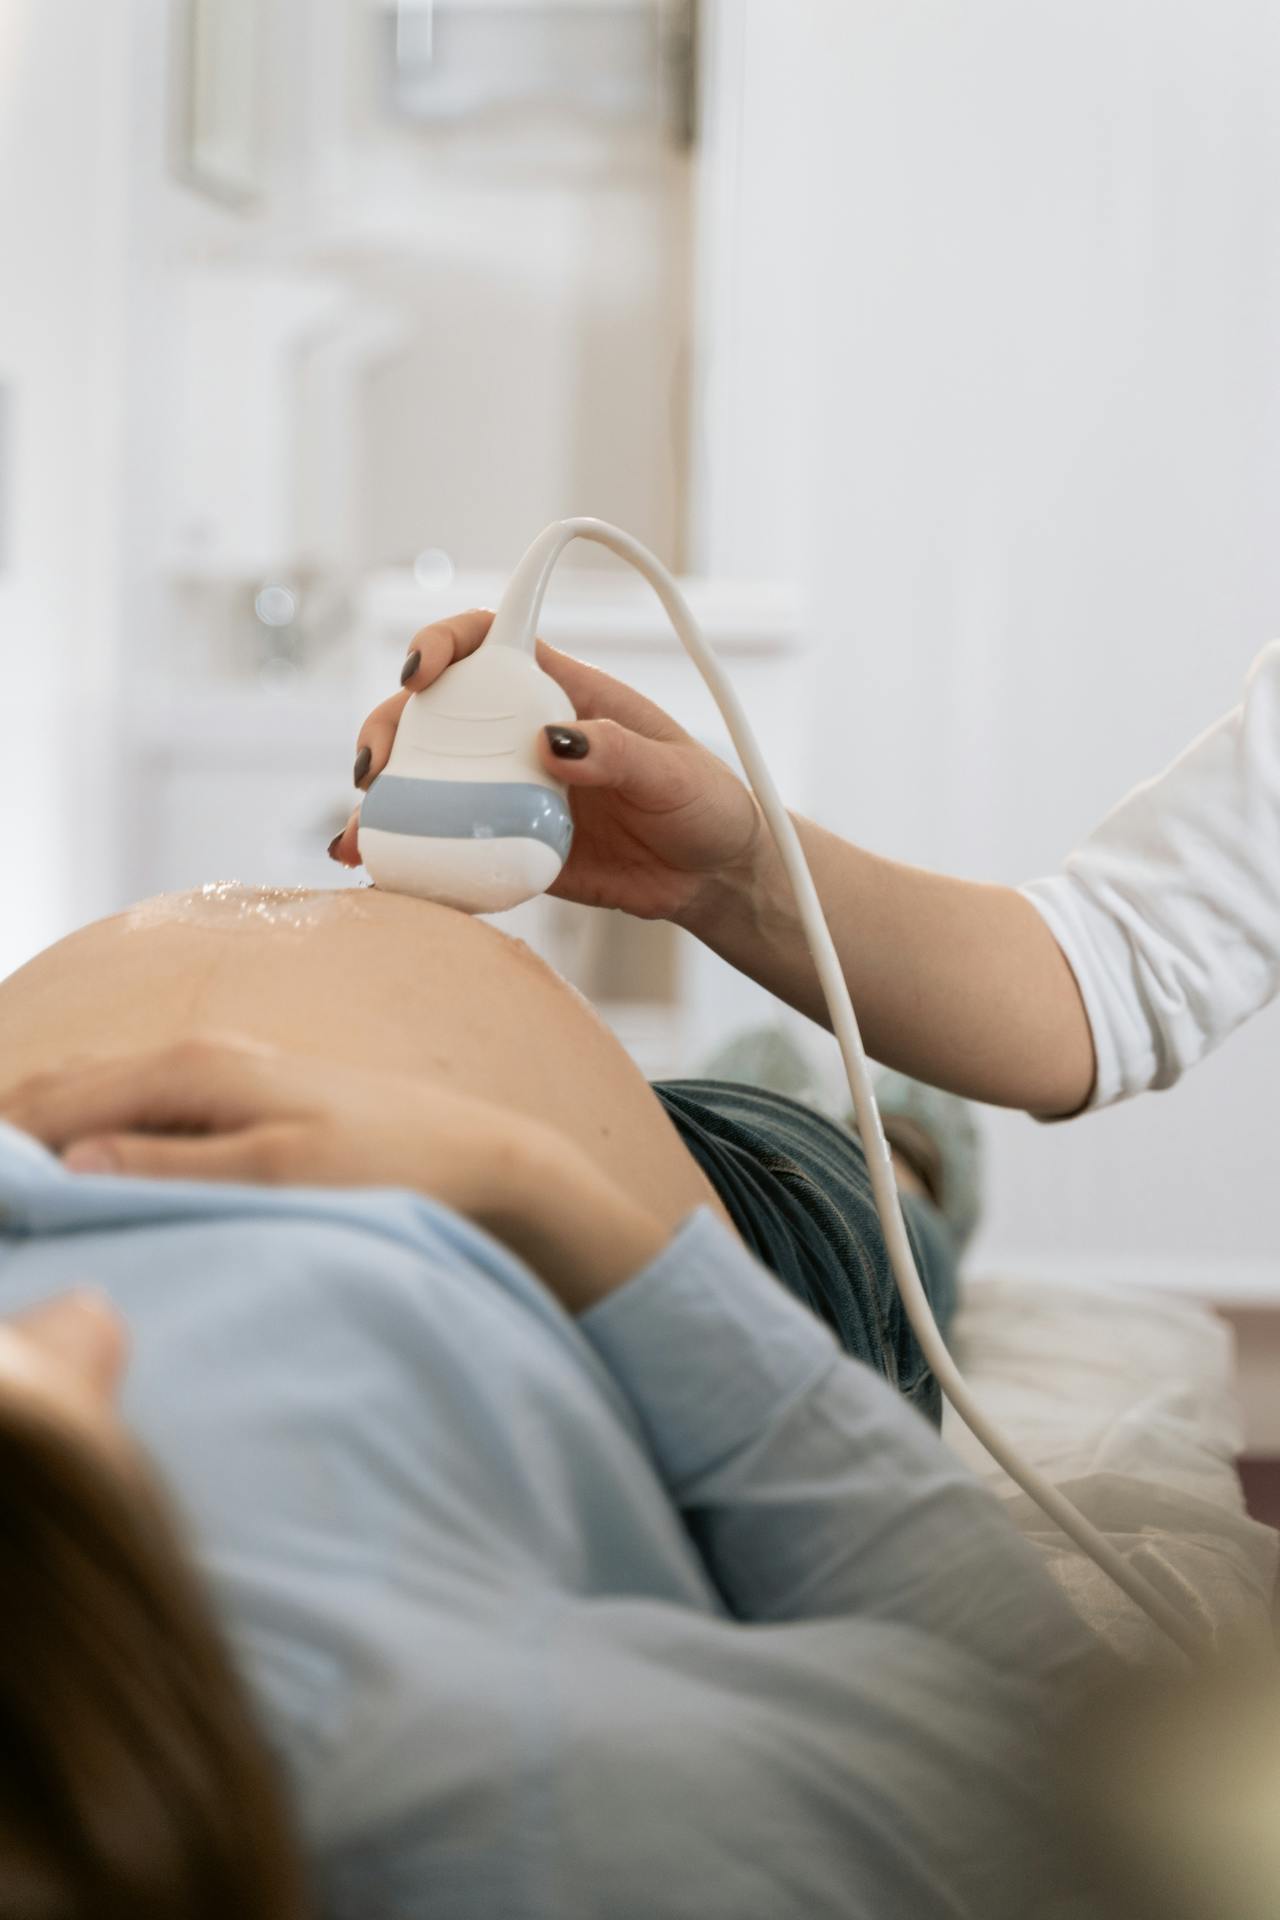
{"x": 221, "y": 1108}
{"x": 657, "y": 816}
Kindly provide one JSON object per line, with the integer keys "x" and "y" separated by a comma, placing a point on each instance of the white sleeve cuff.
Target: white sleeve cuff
{"x": 1055, "y": 900}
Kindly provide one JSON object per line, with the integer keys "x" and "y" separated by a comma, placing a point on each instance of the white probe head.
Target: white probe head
{"x": 464, "y": 813}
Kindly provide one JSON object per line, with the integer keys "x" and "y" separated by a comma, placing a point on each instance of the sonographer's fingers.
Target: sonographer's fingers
{"x": 431, "y": 650}
{"x": 655, "y": 776}
{"x": 439, "y": 645}
{"x": 344, "y": 847}
{"x": 598, "y": 696}
{"x": 374, "y": 743}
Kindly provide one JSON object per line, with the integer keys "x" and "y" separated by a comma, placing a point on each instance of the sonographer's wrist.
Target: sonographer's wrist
{"x": 741, "y": 902}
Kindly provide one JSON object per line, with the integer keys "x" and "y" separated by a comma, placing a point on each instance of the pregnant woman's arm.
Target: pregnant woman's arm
{"x": 811, "y": 1489}
{"x": 228, "y": 1110}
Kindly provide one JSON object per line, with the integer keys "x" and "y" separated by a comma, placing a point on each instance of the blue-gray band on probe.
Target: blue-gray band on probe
{"x": 469, "y": 810}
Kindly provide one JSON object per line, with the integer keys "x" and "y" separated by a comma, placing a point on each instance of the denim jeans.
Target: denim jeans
{"x": 797, "y": 1188}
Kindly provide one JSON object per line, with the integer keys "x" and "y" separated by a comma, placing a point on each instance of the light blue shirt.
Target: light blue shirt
{"x": 670, "y": 1610}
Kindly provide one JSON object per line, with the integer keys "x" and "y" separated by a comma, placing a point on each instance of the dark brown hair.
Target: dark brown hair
{"x": 133, "y": 1783}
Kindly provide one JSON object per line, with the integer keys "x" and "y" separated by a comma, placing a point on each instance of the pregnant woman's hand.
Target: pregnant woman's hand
{"x": 223, "y": 1109}
{"x": 657, "y": 817}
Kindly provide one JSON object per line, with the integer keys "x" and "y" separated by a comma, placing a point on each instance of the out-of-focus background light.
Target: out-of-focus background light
{"x": 433, "y": 570}
{"x": 276, "y": 606}
{"x": 1171, "y": 1790}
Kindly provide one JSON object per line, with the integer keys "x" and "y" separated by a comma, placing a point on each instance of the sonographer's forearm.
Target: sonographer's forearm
{"x": 958, "y": 983}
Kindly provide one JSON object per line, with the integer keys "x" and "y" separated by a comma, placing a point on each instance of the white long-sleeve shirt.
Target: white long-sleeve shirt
{"x": 1169, "y": 914}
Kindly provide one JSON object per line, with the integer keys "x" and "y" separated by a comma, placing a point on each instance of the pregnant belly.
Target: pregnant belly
{"x": 361, "y": 977}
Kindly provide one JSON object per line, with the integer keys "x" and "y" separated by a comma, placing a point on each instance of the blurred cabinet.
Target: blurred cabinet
{"x": 458, "y": 304}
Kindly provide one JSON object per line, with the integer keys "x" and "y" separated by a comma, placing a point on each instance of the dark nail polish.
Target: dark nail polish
{"x": 364, "y": 760}
{"x": 410, "y": 667}
{"x": 567, "y": 743}
{"x": 333, "y": 846}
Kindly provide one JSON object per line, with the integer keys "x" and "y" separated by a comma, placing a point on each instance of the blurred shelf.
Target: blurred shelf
{"x": 610, "y": 612}
{"x": 309, "y": 723}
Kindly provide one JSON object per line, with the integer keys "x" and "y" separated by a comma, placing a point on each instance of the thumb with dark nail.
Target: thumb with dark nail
{"x": 567, "y": 743}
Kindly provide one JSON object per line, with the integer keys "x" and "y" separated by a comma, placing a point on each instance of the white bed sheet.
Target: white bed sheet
{"x": 1125, "y": 1399}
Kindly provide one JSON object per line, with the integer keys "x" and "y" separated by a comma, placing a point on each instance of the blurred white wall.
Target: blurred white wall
{"x": 63, "y": 92}
{"x": 1009, "y": 281}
